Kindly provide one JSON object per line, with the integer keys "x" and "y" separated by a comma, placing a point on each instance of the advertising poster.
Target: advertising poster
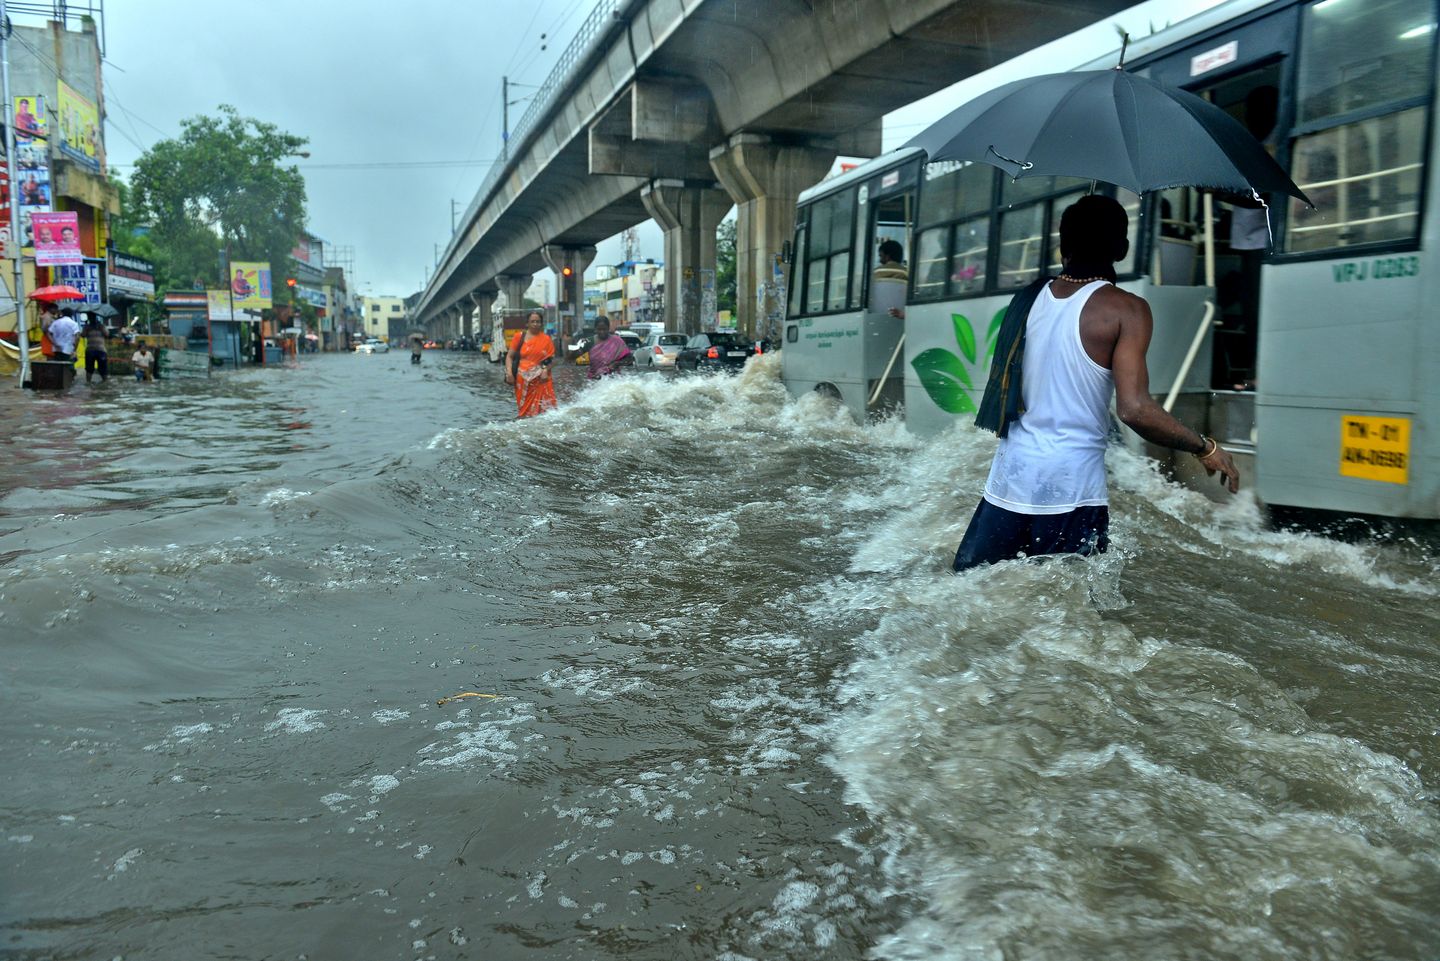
{"x": 29, "y": 118}
{"x": 84, "y": 277}
{"x": 217, "y": 303}
{"x": 250, "y": 283}
{"x": 31, "y": 189}
{"x": 57, "y": 238}
{"x": 79, "y": 128}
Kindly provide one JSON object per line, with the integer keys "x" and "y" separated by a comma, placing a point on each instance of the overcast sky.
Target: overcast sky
{"x": 410, "y": 89}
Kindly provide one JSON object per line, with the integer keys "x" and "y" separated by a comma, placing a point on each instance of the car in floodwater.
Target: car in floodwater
{"x": 373, "y": 346}
{"x": 660, "y": 350}
{"x": 715, "y": 350}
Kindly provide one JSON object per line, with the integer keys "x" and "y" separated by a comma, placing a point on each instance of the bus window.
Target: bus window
{"x": 1033, "y": 217}
{"x": 797, "y": 263}
{"x": 1364, "y": 174}
{"x": 971, "y": 248}
{"x": 953, "y": 222}
{"x": 928, "y": 262}
{"x": 1020, "y": 237}
{"x": 827, "y": 263}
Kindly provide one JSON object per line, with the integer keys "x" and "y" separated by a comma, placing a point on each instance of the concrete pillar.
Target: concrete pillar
{"x": 689, "y": 216}
{"x": 513, "y": 286}
{"x": 467, "y": 320}
{"x": 484, "y": 301}
{"x": 765, "y": 179}
{"x": 569, "y": 264}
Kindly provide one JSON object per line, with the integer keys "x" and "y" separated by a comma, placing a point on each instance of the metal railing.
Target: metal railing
{"x": 586, "y": 39}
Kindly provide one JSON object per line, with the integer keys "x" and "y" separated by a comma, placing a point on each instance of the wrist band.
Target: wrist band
{"x": 1212, "y": 447}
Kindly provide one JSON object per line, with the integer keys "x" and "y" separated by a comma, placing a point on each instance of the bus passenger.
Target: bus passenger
{"x": 1083, "y": 338}
{"x": 890, "y": 280}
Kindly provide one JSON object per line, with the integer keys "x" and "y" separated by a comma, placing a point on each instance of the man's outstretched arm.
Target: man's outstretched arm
{"x": 1139, "y": 411}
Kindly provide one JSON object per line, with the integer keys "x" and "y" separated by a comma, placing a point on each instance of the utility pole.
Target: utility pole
{"x": 437, "y": 255}
{"x": 505, "y": 104}
{"x": 20, "y": 329}
{"x": 453, "y": 205}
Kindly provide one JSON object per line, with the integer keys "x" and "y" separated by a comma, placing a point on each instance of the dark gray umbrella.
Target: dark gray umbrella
{"x": 104, "y": 310}
{"x": 1106, "y": 125}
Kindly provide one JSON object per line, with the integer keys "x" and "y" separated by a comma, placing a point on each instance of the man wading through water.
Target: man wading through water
{"x": 1074, "y": 339}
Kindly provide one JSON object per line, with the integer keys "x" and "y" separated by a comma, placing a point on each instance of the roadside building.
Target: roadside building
{"x": 380, "y": 316}
{"x": 59, "y": 109}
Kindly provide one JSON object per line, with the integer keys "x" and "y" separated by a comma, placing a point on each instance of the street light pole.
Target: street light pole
{"x": 22, "y": 334}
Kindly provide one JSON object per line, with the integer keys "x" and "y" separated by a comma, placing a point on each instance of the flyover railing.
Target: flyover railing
{"x": 576, "y": 54}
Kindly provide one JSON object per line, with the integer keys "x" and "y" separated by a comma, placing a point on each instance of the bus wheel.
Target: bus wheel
{"x": 829, "y": 392}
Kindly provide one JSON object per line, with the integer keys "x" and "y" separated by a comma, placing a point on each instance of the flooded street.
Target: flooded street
{"x": 733, "y": 705}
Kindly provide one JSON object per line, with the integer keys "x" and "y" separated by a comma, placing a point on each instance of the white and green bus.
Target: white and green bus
{"x": 1317, "y": 356}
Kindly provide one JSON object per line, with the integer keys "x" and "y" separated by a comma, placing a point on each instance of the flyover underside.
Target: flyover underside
{"x": 563, "y": 205}
{"x": 803, "y": 73}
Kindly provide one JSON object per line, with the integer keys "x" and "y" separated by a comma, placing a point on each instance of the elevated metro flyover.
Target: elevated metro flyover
{"x": 679, "y": 109}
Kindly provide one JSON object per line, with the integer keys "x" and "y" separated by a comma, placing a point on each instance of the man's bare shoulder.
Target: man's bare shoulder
{"x": 1119, "y": 305}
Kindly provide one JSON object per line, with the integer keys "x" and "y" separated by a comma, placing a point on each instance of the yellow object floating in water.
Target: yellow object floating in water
{"x": 455, "y": 697}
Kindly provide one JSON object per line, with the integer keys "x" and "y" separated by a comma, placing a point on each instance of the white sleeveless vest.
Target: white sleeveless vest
{"x": 1053, "y": 459}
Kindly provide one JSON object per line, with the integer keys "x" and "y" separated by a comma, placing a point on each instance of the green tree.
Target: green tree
{"x": 725, "y": 266}
{"x": 131, "y": 236}
{"x": 222, "y": 181}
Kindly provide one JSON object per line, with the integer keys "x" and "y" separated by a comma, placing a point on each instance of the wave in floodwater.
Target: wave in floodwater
{"x": 728, "y": 701}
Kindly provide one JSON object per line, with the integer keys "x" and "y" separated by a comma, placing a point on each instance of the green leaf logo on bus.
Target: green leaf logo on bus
{"x": 950, "y": 379}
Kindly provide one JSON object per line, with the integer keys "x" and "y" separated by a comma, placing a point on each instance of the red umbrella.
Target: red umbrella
{"x": 57, "y": 292}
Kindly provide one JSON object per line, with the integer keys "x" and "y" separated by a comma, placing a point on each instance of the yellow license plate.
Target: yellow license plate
{"x": 1375, "y": 448}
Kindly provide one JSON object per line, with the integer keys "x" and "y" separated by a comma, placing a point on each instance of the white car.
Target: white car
{"x": 373, "y": 346}
{"x": 660, "y": 349}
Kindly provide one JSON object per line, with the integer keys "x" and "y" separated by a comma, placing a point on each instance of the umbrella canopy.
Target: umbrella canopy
{"x": 104, "y": 310}
{"x": 1106, "y": 125}
{"x": 57, "y": 292}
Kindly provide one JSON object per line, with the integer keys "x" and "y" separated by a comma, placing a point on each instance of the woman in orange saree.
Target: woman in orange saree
{"x": 528, "y": 368}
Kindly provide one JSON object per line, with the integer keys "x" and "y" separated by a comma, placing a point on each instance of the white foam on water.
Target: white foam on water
{"x": 125, "y": 862}
{"x": 281, "y": 496}
{"x": 382, "y": 784}
{"x": 187, "y": 732}
{"x": 1023, "y": 754}
{"x": 296, "y": 720}
{"x": 389, "y": 716}
{"x": 490, "y": 740}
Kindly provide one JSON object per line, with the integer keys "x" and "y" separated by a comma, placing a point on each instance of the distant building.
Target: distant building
{"x": 382, "y": 315}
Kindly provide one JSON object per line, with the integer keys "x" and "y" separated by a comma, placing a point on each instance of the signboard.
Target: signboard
{"x": 56, "y": 238}
{"x": 311, "y": 296}
{"x": 132, "y": 276}
{"x": 79, "y": 128}
{"x": 250, "y": 283}
{"x": 1211, "y": 59}
{"x": 217, "y": 306}
{"x": 1375, "y": 448}
{"x": 84, "y": 277}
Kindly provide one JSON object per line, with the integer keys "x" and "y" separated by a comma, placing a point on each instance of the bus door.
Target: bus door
{"x": 888, "y": 221}
{"x": 1243, "y": 71}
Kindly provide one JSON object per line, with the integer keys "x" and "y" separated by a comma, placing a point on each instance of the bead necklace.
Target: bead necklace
{"x": 1080, "y": 280}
